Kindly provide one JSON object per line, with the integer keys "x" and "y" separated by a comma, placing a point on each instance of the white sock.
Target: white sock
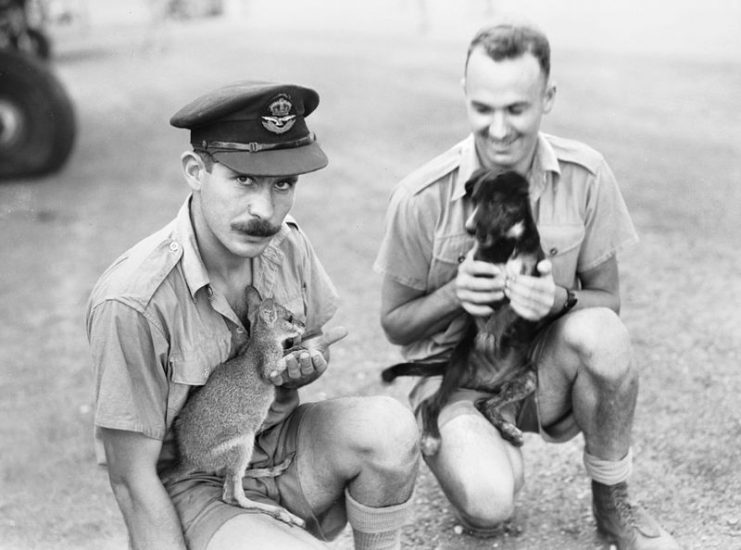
{"x": 376, "y": 528}
{"x": 608, "y": 472}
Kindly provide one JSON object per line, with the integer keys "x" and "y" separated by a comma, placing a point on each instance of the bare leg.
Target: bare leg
{"x": 367, "y": 445}
{"x": 249, "y": 531}
{"x": 479, "y": 471}
{"x": 587, "y": 368}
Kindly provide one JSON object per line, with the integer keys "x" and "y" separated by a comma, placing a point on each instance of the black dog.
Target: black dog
{"x": 494, "y": 354}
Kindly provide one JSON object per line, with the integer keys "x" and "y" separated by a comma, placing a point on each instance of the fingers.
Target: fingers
{"x": 477, "y": 285}
{"x": 307, "y": 362}
{"x": 532, "y": 297}
{"x": 326, "y": 339}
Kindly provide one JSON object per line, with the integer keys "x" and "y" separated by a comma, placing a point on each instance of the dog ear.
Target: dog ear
{"x": 475, "y": 180}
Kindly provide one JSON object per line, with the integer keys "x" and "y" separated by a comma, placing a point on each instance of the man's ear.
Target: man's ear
{"x": 549, "y": 98}
{"x": 193, "y": 169}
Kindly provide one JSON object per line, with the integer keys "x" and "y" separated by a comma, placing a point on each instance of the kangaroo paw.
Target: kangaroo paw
{"x": 279, "y": 513}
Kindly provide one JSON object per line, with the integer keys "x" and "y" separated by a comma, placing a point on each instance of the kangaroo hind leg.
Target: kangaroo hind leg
{"x": 238, "y": 458}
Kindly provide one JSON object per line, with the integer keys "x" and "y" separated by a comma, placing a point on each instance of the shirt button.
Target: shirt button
{"x": 553, "y": 251}
{"x": 174, "y": 247}
{"x": 461, "y": 258}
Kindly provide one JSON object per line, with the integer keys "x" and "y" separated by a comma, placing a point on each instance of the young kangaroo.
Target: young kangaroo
{"x": 216, "y": 428}
{"x": 494, "y": 354}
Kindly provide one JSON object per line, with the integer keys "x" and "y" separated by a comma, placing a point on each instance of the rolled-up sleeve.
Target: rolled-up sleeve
{"x": 129, "y": 365}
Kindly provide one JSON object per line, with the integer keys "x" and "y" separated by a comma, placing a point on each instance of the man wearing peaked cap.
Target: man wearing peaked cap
{"x": 169, "y": 311}
{"x": 255, "y": 128}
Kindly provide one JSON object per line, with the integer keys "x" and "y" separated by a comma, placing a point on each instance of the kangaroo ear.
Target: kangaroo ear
{"x": 253, "y": 300}
{"x": 268, "y": 313}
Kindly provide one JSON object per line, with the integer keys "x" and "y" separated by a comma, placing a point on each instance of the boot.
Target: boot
{"x": 627, "y": 526}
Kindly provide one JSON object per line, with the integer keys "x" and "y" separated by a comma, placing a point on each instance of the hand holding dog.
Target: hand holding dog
{"x": 308, "y": 361}
{"x": 532, "y": 297}
{"x": 479, "y": 284}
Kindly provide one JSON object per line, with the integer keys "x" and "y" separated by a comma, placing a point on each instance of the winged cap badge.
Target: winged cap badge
{"x": 281, "y": 120}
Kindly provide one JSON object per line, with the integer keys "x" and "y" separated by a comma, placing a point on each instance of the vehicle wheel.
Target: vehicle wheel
{"x": 37, "y": 120}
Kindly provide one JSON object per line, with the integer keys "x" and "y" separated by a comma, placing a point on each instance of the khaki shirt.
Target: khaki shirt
{"x": 577, "y": 205}
{"x": 156, "y": 328}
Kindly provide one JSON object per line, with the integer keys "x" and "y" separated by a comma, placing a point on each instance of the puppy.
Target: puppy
{"x": 494, "y": 354}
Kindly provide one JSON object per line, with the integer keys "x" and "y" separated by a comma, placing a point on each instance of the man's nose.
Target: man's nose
{"x": 261, "y": 203}
{"x": 498, "y": 126}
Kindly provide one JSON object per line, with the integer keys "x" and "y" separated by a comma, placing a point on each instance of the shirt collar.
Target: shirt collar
{"x": 545, "y": 162}
{"x": 469, "y": 164}
{"x": 194, "y": 271}
{"x": 196, "y": 276}
{"x": 545, "y": 168}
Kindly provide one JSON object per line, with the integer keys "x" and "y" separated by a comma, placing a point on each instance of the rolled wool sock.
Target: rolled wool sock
{"x": 376, "y": 528}
{"x": 608, "y": 472}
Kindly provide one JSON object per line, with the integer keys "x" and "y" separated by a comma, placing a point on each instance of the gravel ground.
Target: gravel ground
{"x": 668, "y": 125}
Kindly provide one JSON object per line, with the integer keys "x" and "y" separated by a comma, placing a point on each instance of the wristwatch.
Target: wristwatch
{"x": 570, "y": 302}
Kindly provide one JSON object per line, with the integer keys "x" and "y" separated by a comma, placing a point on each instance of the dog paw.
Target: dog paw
{"x": 512, "y": 434}
{"x": 429, "y": 445}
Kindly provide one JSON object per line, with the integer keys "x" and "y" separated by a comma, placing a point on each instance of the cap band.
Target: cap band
{"x": 255, "y": 147}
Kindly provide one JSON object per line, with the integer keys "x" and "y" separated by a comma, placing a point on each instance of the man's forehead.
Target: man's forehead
{"x": 523, "y": 69}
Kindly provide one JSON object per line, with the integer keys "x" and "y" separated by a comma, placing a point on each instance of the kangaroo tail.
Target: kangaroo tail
{"x": 413, "y": 369}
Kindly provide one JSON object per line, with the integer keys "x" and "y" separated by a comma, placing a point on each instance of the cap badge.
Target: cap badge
{"x": 280, "y": 121}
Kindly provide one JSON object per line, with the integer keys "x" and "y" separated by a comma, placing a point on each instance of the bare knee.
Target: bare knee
{"x": 486, "y": 505}
{"x": 601, "y": 342}
{"x": 389, "y": 434}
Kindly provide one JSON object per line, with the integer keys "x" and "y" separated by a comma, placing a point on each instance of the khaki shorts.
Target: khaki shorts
{"x": 525, "y": 415}
{"x": 197, "y": 498}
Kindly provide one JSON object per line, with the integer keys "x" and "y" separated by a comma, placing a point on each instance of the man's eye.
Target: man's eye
{"x": 245, "y": 180}
{"x": 284, "y": 185}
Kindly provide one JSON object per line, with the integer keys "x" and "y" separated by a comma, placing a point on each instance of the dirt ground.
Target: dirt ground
{"x": 669, "y": 127}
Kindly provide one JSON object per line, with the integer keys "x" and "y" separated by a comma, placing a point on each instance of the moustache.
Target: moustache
{"x": 256, "y": 228}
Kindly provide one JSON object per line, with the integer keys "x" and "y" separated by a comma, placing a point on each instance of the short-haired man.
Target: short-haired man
{"x": 167, "y": 312}
{"x": 586, "y": 379}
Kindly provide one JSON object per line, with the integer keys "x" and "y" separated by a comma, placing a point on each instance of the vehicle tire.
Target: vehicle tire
{"x": 37, "y": 120}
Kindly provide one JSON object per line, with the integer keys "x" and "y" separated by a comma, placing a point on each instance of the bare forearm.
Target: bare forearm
{"x": 423, "y": 316}
{"x": 150, "y": 516}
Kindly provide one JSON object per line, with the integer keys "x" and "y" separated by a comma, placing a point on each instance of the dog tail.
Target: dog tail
{"x": 413, "y": 369}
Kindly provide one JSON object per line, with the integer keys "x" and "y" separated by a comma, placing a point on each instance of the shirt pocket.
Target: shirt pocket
{"x": 192, "y": 367}
{"x": 562, "y": 244}
{"x": 447, "y": 253}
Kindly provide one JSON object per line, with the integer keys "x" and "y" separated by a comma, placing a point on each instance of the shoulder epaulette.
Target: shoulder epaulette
{"x": 137, "y": 274}
{"x": 576, "y": 152}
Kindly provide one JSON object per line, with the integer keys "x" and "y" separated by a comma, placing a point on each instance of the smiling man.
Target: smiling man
{"x": 168, "y": 311}
{"x": 587, "y": 381}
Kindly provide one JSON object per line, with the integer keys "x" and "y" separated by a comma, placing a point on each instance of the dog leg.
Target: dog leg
{"x": 430, "y": 440}
{"x": 511, "y": 392}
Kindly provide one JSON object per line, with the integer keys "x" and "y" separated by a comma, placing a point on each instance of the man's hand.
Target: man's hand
{"x": 306, "y": 362}
{"x": 479, "y": 284}
{"x": 532, "y": 297}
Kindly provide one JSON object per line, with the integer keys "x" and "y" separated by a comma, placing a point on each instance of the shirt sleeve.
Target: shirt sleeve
{"x": 608, "y": 225}
{"x": 129, "y": 365}
{"x": 405, "y": 254}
